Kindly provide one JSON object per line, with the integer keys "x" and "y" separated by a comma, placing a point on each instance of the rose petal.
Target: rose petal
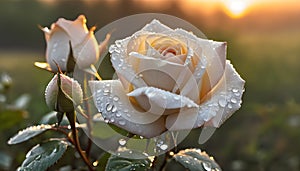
{"x": 115, "y": 106}
{"x": 120, "y": 64}
{"x": 156, "y": 27}
{"x": 76, "y": 29}
{"x": 226, "y": 98}
{"x": 160, "y": 99}
{"x": 216, "y": 65}
{"x": 87, "y": 52}
{"x": 160, "y": 73}
{"x": 215, "y": 53}
{"x": 58, "y": 49}
{"x": 184, "y": 120}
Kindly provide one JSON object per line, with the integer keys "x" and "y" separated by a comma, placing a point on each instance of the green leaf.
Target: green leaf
{"x": 126, "y": 160}
{"x": 51, "y": 118}
{"x": 42, "y": 156}
{"x": 102, "y": 161}
{"x": 28, "y": 133}
{"x": 11, "y": 117}
{"x": 196, "y": 160}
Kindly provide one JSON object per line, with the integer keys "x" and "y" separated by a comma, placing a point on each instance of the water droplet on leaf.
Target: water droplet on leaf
{"x": 206, "y": 166}
{"x": 122, "y": 142}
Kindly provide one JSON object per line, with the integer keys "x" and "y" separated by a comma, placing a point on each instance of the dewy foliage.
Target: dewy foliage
{"x": 44, "y": 155}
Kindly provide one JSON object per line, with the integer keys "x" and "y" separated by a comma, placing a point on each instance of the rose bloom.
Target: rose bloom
{"x": 70, "y": 40}
{"x": 168, "y": 80}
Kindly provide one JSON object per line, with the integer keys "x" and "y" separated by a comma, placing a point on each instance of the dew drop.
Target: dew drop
{"x": 38, "y": 157}
{"x": 235, "y": 90}
{"x": 229, "y": 106}
{"x": 206, "y": 166}
{"x": 106, "y": 120}
{"x": 164, "y": 97}
{"x": 237, "y": 94}
{"x": 125, "y": 110}
{"x": 222, "y": 102}
{"x": 176, "y": 97}
{"x": 55, "y": 150}
{"x": 112, "y": 119}
{"x": 114, "y": 109}
{"x": 115, "y": 98}
{"x": 233, "y": 100}
{"x": 163, "y": 146}
{"x": 122, "y": 122}
{"x": 109, "y": 107}
{"x": 122, "y": 142}
{"x": 107, "y": 85}
{"x": 118, "y": 114}
{"x": 106, "y": 90}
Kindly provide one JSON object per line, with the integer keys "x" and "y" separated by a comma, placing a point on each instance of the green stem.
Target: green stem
{"x": 88, "y": 113}
{"x": 72, "y": 120}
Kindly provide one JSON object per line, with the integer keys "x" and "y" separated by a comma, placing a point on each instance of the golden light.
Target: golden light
{"x": 236, "y": 8}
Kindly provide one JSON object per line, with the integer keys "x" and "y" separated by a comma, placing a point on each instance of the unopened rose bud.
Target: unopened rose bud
{"x": 71, "y": 41}
{"x": 63, "y": 94}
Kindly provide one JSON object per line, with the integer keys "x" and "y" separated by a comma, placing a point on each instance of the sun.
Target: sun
{"x": 235, "y": 8}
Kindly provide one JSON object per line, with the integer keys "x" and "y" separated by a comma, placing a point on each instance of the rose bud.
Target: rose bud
{"x": 69, "y": 42}
{"x": 63, "y": 93}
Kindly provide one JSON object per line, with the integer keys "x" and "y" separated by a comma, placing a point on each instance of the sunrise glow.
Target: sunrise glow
{"x": 236, "y": 8}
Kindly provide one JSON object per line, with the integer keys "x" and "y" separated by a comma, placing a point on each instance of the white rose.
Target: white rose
{"x": 168, "y": 80}
{"x": 67, "y": 36}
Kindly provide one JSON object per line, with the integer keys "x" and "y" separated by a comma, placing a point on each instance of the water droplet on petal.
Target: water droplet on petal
{"x": 122, "y": 142}
{"x": 206, "y": 166}
{"x": 222, "y": 102}
{"x": 237, "y": 94}
{"x": 118, "y": 114}
{"x": 106, "y": 90}
{"x": 235, "y": 90}
{"x": 114, "y": 109}
{"x": 112, "y": 119}
{"x": 176, "y": 97}
{"x": 109, "y": 107}
{"x": 229, "y": 106}
{"x": 115, "y": 98}
{"x": 233, "y": 100}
